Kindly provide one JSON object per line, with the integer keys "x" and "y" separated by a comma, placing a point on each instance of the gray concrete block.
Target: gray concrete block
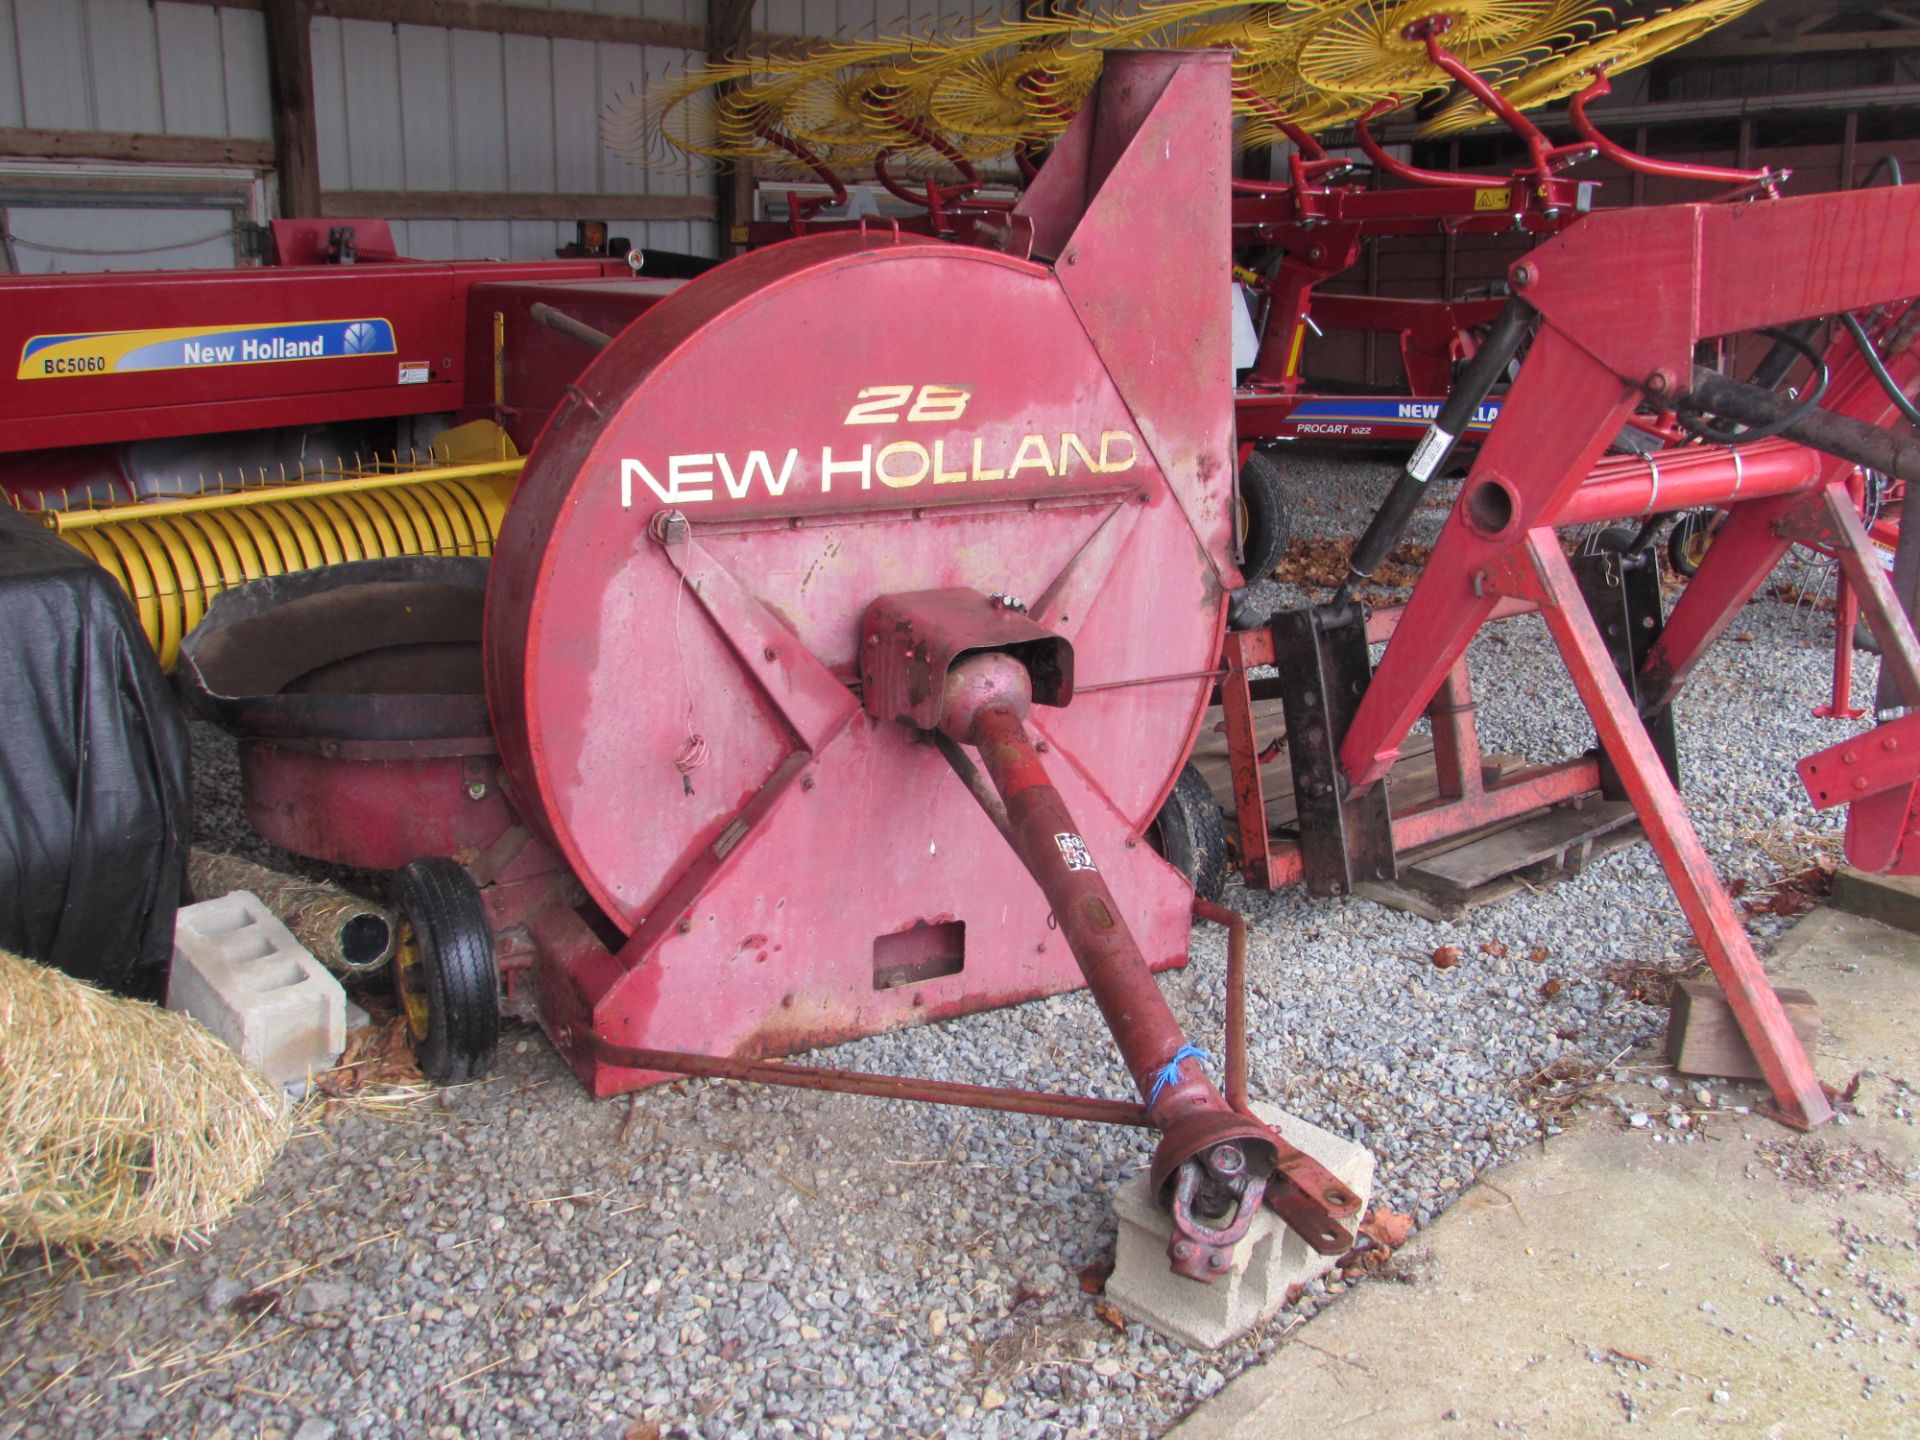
{"x": 239, "y": 972}
{"x": 1269, "y": 1260}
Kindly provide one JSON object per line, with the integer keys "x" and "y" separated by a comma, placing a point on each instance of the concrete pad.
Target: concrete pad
{"x": 238, "y": 971}
{"x": 1756, "y": 1282}
{"x": 1268, "y": 1260}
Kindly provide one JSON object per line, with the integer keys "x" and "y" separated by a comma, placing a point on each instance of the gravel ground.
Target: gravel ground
{"x": 513, "y": 1259}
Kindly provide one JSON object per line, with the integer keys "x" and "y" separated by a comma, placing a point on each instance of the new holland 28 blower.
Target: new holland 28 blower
{"x": 840, "y": 518}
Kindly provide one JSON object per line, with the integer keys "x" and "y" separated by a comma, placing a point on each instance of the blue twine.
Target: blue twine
{"x": 1169, "y": 1073}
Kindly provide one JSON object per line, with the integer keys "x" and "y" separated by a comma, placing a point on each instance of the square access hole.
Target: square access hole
{"x": 925, "y": 950}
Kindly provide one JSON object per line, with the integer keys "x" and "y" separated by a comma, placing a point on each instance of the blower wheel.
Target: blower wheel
{"x": 1190, "y": 834}
{"x": 1266, "y": 528}
{"x": 444, "y": 971}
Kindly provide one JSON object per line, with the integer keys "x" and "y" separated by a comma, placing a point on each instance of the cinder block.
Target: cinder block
{"x": 239, "y": 972}
{"x": 1268, "y": 1261}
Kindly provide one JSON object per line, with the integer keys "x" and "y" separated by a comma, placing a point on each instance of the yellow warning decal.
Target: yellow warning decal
{"x": 1501, "y": 199}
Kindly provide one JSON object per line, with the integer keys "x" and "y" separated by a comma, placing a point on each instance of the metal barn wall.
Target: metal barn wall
{"x": 131, "y": 67}
{"x": 403, "y": 107}
{"x": 127, "y": 65}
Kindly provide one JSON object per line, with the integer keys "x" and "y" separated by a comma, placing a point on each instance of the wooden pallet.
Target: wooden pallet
{"x": 1444, "y": 880}
{"x": 1413, "y": 780}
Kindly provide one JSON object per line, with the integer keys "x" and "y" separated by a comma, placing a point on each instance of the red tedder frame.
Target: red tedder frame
{"x": 1694, "y": 272}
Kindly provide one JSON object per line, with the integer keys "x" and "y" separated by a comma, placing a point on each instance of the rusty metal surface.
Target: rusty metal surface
{"x": 910, "y": 642}
{"x": 1214, "y": 1160}
{"x": 1246, "y": 649}
{"x": 1091, "y": 918}
{"x": 375, "y": 650}
{"x": 1235, "y": 1082}
{"x": 1346, "y": 836}
{"x": 883, "y": 1087}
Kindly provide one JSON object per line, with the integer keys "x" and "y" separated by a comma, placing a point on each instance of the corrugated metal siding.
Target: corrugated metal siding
{"x": 518, "y": 113}
{"x": 10, "y": 109}
{"x": 402, "y": 107}
{"x": 158, "y": 69}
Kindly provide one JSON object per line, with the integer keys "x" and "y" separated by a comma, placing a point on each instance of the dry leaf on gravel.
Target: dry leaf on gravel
{"x": 375, "y": 1055}
{"x": 1387, "y": 1228}
{"x": 1093, "y": 1278}
{"x": 1446, "y": 957}
{"x": 1797, "y": 893}
{"x": 1322, "y": 564}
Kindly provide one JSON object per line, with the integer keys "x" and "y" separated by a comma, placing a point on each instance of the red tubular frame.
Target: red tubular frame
{"x": 1546, "y": 155}
{"x": 1399, "y": 169}
{"x": 1690, "y": 479}
{"x": 1767, "y": 180}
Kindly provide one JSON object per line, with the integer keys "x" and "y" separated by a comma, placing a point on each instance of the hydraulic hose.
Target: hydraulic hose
{"x": 1841, "y": 435}
{"x": 1468, "y": 394}
{"x": 1871, "y": 354}
{"x": 1803, "y": 407}
{"x": 1774, "y": 365}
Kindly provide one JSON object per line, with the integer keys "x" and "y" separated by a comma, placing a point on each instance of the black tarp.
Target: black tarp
{"x": 94, "y": 791}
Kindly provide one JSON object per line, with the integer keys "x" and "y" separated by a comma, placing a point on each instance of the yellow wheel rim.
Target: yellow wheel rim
{"x": 410, "y": 978}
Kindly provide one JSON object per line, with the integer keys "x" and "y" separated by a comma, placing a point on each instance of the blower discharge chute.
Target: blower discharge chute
{"x": 865, "y": 583}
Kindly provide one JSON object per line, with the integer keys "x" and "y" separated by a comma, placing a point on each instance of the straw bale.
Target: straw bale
{"x": 121, "y": 1123}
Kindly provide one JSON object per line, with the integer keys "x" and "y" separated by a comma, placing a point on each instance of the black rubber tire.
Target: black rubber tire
{"x": 1688, "y": 542}
{"x": 1266, "y": 523}
{"x": 1190, "y": 834}
{"x": 450, "y": 966}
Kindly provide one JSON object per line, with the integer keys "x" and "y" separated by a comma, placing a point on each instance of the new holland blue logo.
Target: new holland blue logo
{"x": 122, "y": 352}
{"x": 1392, "y": 412}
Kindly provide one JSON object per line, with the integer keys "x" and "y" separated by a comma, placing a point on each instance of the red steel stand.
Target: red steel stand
{"x": 1696, "y": 272}
{"x": 1466, "y": 801}
{"x": 1538, "y": 572}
